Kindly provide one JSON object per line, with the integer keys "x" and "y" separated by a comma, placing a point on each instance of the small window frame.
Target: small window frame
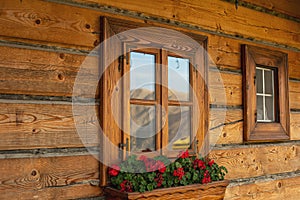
{"x": 254, "y": 131}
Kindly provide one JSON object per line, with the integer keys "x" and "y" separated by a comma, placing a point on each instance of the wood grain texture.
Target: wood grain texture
{"x": 225, "y": 88}
{"x": 27, "y": 126}
{"x": 213, "y": 191}
{"x": 43, "y": 178}
{"x": 295, "y": 126}
{"x": 290, "y": 7}
{"x": 36, "y": 72}
{"x": 258, "y": 161}
{"x": 218, "y": 16}
{"x": 49, "y": 23}
{"x": 226, "y": 126}
{"x": 77, "y": 191}
{"x": 82, "y": 25}
{"x": 294, "y": 88}
{"x": 284, "y": 188}
{"x": 279, "y": 129}
{"x": 225, "y": 53}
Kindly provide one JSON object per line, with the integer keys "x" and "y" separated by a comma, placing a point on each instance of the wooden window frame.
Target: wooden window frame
{"x": 161, "y": 98}
{"x": 254, "y": 131}
{"x": 110, "y": 27}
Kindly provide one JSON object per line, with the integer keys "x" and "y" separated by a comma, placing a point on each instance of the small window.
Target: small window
{"x": 266, "y": 103}
{"x": 265, "y": 94}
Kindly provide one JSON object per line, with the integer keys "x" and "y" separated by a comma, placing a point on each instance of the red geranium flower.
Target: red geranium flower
{"x": 126, "y": 186}
{"x": 184, "y": 154}
{"x": 114, "y": 170}
{"x": 179, "y": 173}
{"x": 206, "y": 178}
{"x": 210, "y": 163}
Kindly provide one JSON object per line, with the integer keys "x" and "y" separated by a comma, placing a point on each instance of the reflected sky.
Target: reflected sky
{"x": 142, "y": 75}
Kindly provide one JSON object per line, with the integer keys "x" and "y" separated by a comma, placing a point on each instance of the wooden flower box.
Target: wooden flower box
{"x": 210, "y": 191}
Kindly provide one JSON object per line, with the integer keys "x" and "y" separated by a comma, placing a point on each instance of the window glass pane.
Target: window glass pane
{"x": 142, "y": 76}
{"x": 259, "y": 107}
{"x": 178, "y": 78}
{"x": 142, "y": 127}
{"x": 179, "y": 127}
{"x": 259, "y": 81}
{"x": 269, "y": 110}
{"x": 268, "y": 82}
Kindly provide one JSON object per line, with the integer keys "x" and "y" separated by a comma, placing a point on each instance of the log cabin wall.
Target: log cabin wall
{"x": 43, "y": 44}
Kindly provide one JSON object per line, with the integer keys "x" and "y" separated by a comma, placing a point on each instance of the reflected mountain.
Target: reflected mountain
{"x": 143, "y": 122}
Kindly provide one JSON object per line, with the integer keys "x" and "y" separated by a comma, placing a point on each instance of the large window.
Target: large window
{"x": 153, "y": 90}
{"x": 266, "y": 102}
{"x": 162, "y": 111}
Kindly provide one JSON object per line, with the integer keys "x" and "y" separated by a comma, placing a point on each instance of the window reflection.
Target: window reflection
{"x": 179, "y": 126}
{"x": 142, "y": 127}
{"x": 178, "y": 78}
{"x": 265, "y": 104}
{"x": 142, "y": 76}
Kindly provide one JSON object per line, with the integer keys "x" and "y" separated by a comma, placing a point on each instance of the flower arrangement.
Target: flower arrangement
{"x": 145, "y": 174}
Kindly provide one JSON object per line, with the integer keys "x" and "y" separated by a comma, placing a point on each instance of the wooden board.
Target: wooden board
{"x": 49, "y": 23}
{"x": 225, "y": 88}
{"x": 294, "y": 88}
{"x": 45, "y": 178}
{"x": 217, "y": 16}
{"x": 290, "y": 7}
{"x": 259, "y": 160}
{"x": 81, "y": 26}
{"x": 295, "y": 126}
{"x": 283, "y": 188}
{"x": 67, "y": 192}
{"x": 226, "y": 126}
{"x": 27, "y": 71}
{"x": 28, "y": 125}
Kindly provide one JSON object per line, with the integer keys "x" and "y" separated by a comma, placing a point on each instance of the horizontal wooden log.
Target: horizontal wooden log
{"x": 34, "y": 125}
{"x": 283, "y": 188}
{"x": 27, "y": 71}
{"x": 225, "y": 88}
{"x": 33, "y": 18}
{"x": 290, "y": 8}
{"x": 49, "y": 23}
{"x": 48, "y": 178}
{"x": 294, "y": 89}
{"x": 79, "y": 191}
{"x": 259, "y": 160}
{"x": 218, "y": 16}
{"x": 226, "y": 126}
{"x": 226, "y": 54}
{"x": 295, "y": 126}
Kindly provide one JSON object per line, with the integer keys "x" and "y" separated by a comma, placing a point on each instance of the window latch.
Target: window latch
{"x": 125, "y": 146}
{"x": 196, "y": 147}
{"x": 121, "y": 61}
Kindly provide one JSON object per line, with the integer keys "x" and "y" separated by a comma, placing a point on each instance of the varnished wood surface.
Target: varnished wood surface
{"x": 217, "y": 16}
{"x": 48, "y": 178}
{"x": 226, "y": 126}
{"x": 33, "y": 125}
{"x": 295, "y": 126}
{"x": 282, "y": 188}
{"x": 213, "y": 191}
{"x": 257, "y": 161}
{"x": 290, "y": 7}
